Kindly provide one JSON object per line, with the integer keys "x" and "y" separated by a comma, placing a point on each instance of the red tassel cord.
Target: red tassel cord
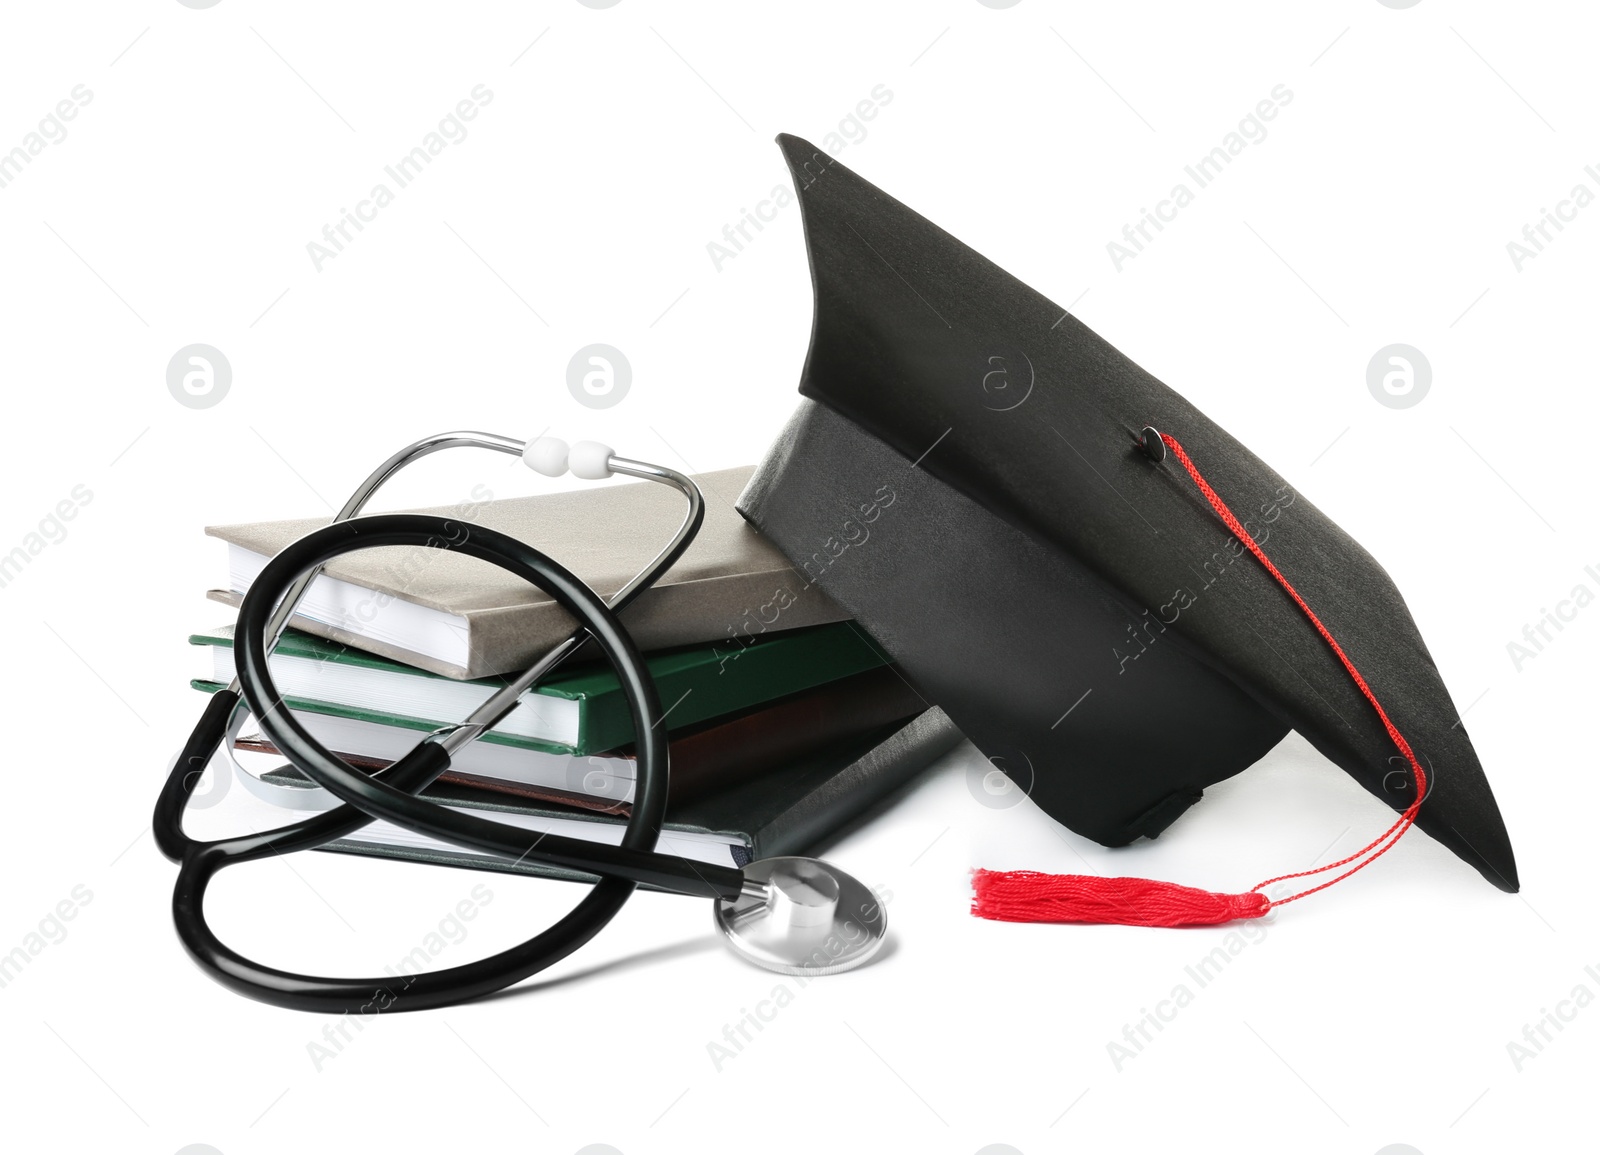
{"x": 1027, "y": 896}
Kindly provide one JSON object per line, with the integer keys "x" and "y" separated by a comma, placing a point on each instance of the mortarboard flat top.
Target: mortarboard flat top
{"x": 947, "y": 362}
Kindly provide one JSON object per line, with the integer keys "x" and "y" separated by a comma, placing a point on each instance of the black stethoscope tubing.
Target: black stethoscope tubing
{"x": 393, "y": 796}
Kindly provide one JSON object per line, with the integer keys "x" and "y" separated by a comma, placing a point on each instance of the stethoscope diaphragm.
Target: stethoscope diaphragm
{"x": 802, "y": 916}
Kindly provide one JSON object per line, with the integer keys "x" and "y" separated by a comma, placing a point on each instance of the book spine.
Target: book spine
{"x": 849, "y": 794}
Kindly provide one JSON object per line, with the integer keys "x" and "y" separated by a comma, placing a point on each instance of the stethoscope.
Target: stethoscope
{"x": 794, "y": 915}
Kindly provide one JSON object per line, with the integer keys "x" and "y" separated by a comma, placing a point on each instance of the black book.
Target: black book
{"x": 786, "y": 810}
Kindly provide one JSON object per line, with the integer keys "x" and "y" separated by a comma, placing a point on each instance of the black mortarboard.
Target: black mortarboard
{"x": 973, "y": 485}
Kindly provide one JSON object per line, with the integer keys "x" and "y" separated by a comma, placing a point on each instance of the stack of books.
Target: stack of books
{"x": 785, "y": 720}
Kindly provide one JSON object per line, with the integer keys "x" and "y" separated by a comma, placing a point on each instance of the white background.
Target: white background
{"x": 618, "y": 143}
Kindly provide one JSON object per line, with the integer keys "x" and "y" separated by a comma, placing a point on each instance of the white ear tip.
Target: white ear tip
{"x": 546, "y": 455}
{"x": 590, "y": 460}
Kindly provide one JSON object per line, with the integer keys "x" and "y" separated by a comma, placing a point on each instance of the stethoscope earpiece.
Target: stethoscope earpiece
{"x": 546, "y": 455}
{"x": 552, "y": 457}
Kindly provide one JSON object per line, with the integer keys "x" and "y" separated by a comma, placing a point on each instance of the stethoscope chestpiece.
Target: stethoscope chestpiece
{"x": 802, "y": 916}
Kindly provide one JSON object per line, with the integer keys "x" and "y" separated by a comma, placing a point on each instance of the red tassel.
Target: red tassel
{"x": 1028, "y": 896}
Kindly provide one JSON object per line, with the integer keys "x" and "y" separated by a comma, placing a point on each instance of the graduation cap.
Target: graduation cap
{"x": 1113, "y": 598}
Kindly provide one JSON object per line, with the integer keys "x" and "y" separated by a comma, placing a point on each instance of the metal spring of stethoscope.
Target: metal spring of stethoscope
{"x": 794, "y": 915}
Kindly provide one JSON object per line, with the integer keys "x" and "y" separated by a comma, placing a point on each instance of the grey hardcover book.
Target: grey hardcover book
{"x": 458, "y": 617}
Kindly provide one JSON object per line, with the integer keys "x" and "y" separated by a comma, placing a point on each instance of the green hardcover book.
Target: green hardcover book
{"x": 581, "y": 711}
